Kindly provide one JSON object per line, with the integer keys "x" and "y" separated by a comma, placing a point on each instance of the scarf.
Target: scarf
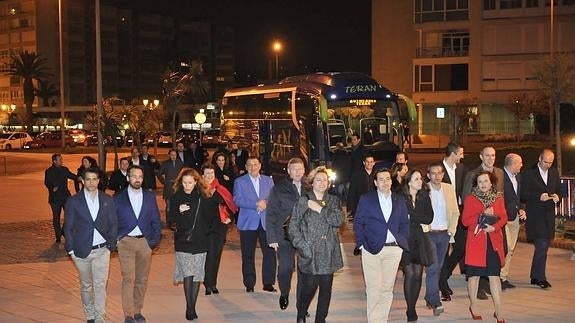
{"x": 486, "y": 198}
{"x": 228, "y": 200}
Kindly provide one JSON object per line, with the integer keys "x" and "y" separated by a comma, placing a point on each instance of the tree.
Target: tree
{"x": 141, "y": 120}
{"x": 522, "y": 106}
{"x": 29, "y": 67}
{"x": 45, "y": 91}
{"x": 110, "y": 124}
{"x": 177, "y": 87}
{"x": 556, "y": 74}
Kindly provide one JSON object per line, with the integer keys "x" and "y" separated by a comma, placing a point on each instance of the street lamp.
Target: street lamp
{"x": 200, "y": 119}
{"x": 277, "y": 47}
{"x": 150, "y": 105}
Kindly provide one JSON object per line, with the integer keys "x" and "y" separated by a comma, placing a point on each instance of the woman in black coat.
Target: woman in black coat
{"x": 418, "y": 201}
{"x": 194, "y": 212}
{"x": 224, "y": 174}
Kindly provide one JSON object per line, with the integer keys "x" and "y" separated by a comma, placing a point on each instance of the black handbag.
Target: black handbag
{"x": 187, "y": 235}
{"x": 485, "y": 219}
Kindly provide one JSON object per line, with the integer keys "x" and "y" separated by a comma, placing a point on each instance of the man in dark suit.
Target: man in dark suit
{"x": 195, "y": 157}
{"x": 91, "y": 228}
{"x": 151, "y": 166}
{"x": 181, "y": 152}
{"x": 251, "y": 193}
{"x": 56, "y": 181}
{"x": 138, "y": 232}
{"x": 454, "y": 172}
{"x": 541, "y": 191}
{"x": 362, "y": 181}
{"x": 381, "y": 227}
{"x": 119, "y": 178}
{"x": 241, "y": 157}
{"x": 515, "y": 211}
{"x": 168, "y": 173}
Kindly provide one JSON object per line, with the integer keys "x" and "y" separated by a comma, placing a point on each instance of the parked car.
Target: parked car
{"x": 78, "y": 135}
{"x": 164, "y": 138}
{"x": 187, "y": 135}
{"x": 14, "y": 140}
{"x": 50, "y": 140}
{"x": 92, "y": 140}
{"x": 211, "y": 138}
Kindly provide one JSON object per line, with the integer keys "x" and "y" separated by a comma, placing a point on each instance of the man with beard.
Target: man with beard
{"x": 138, "y": 233}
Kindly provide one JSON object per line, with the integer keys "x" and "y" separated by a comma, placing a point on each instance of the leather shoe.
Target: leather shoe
{"x": 208, "y": 291}
{"x": 534, "y": 281}
{"x": 215, "y": 290}
{"x": 284, "y": 302}
{"x": 139, "y": 318}
{"x": 445, "y": 296}
{"x": 505, "y": 284}
{"x": 544, "y": 284}
{"x": 91, "y": 321}
{"x": 269, "y": 288}
{"x": 481, "y": 294}
{"x": 249, "y": 289}
{"x": 129, "y": 319}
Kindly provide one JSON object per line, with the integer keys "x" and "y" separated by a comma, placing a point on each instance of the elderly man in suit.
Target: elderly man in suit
{"x": 541, "y": 191}
{"x": 138, "y": 232}
{"x": 381, "y": 228}
{"x": 454, "y": 174}
{"x": 251, "y": 192}
{"x": 515, "y": 210}
{"x": 91, "y": 227}
{"x": 169, "y": 170}
{"x": 443, "y": 227}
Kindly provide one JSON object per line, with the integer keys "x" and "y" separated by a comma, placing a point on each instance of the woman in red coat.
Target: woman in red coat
{"x": 484, "y": 253}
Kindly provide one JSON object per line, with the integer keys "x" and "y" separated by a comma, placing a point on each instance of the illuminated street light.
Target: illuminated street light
{"x": 277, "y": 47}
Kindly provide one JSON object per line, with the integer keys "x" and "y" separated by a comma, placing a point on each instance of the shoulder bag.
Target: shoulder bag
{"x": 186, "y": 235}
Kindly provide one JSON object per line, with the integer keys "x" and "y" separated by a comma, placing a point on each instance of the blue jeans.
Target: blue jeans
{"x": 440, "y": 242}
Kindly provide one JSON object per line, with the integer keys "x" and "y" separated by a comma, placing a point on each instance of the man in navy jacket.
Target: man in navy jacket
{"x": 381, "y": 228}
{"x": 91, "y": 227}
{"x": 138, "y": 232}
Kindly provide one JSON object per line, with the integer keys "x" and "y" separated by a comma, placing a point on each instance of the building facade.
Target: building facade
{"x": 136, "y": 47}
{"x": 466, "y": 58}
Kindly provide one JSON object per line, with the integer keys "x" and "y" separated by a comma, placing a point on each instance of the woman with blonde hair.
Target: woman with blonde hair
{"x": 194, "y": 212}
{"x": 313, "y": 232}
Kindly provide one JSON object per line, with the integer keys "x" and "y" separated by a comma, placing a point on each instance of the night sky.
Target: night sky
{"x": 317, "y": 34}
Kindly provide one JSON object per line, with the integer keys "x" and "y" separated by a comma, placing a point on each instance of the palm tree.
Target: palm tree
{"x": 110, "y": 124}
{"x": 45, "y": 91}
{"x": 176, "y": 87}
{"x": 28, "y": 66}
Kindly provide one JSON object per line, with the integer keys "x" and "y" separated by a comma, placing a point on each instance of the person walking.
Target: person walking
{"x": 139, "y": 231}
{"x": 193, "y": 211}
{"x": 541, "y": 192}
{"x": 56, "y": 181}
{"x": 381, "y": 229}
{"x": 119, "y": 178}
{"x": 219, "y": 229}
{"x": 361, "y": 183}
{"x": 167, "y": 174}
{"x": 87, "y": 162}
{"x": 313, "y": 232}
{"x": 91, "y": 227}
{"x": 515, "y": 211}
{"x": 420, "y": 252}
{"x": 484, "y": 253}
{"x": 251, "y": 193}
{"x": 283, "y": 197}
{"x": 441, "y": 229}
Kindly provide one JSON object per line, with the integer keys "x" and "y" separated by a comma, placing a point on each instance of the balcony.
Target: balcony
{"x": 426, "y": 52}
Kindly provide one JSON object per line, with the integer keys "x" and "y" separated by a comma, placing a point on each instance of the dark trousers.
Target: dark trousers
{"x": 539, "y": 262}
{"x": 309, "y": 284}
{"x": 56, "y": 212}
{"x": 248, "y": 242}
{"x": 215, "y": 247}
{"x": 286, "y": 266}
{"x": 453, "y": 258}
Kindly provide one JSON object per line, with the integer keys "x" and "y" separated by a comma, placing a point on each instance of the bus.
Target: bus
{"x": 306, "y": 115}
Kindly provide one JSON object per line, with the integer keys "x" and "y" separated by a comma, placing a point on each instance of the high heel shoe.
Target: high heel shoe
{"x": 498, "y": 320}
{"x": 473, "y": 316}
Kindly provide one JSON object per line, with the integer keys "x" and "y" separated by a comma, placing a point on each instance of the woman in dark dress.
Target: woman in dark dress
{"x": 420, "y": 213}
{"x": 224, "y": 173}
{"x": 484, "y": 253}
{"x": 194, "y": 211}
{"x": 217, "y": 234}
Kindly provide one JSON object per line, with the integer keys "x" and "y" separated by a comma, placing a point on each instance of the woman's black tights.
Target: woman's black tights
{"x": 412, "y": 274}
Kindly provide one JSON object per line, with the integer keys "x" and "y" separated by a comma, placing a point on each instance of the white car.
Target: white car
{"x": 14, "y": 140}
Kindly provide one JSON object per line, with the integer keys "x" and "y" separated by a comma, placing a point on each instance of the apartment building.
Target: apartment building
{"x": 136, "y": 49}
{"x": 479, "y": 54}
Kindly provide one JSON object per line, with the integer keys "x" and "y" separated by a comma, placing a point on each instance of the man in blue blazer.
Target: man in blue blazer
{"x": 251, "y": 192}
{"x": 381, "y": 228}
{"x": 91, "y": 227}
{"x": 138, "y": 232}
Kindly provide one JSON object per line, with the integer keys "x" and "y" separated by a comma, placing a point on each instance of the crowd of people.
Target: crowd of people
{"x": 403, "y": 218}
